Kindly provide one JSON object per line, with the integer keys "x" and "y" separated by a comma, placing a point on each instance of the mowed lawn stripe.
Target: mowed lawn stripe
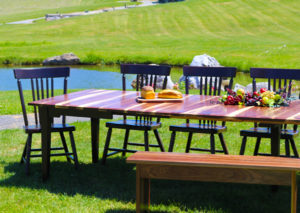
{"x": 237, "y": 33}
{"x": 18, "y": 10}
{"x": 194, "y": 17}
{"x": 232, "y": 22}
{"x": 261, "y": 10}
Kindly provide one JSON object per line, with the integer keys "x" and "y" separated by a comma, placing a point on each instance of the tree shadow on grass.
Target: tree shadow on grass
{"x": 116, "y": 180}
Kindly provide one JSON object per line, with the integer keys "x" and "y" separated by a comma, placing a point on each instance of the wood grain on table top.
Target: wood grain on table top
{"x": 209, "y": 160}
{"x": 193, "y": 107}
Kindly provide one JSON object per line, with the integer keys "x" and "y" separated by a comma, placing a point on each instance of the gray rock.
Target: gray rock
{"x": 159, "y": 82}
{"x": 259, "y": 85}
{"x": 205, "y": 61}
{"x": 201, "y": 61}
{"x": 194, "y": 82}
{"x": 65, "y": 59}
{"x": 239, "y": 86}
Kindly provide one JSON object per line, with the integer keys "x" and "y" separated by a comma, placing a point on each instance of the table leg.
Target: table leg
{"x": 95, "y": 139}
{"x": 45, "y": 121}
{"x": 142, "y": 192}
{"x": 294, "y": 190}
{"x": 275, "y": 139}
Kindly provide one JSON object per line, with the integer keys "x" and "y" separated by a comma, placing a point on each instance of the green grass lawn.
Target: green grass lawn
{"x": 18, "y": 10}
{"x": 111, "y": 188}
{"x": 252, "y": 33}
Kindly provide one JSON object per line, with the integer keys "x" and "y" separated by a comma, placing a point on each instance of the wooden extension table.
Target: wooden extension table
{"x": 98, "y": 104}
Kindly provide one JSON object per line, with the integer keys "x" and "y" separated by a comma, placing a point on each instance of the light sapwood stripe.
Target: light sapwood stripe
{"x": 154, "y": 106}
{"x": 201, "y": 109}
{"x": 277, "y": 112}
{"x": 89, "y": 104}
{"x": 190, "y": 103}
{"x": 163, "y": 106}
{"x": 134, "y": 106}
{"x": 71, "y": 95}
{"x": 239, "y": 111}
{"x": 294, "y": 116}
{"x": 116, "y": 104}
{"x": 98, "y": 92}
{"x": 157, "y": 107}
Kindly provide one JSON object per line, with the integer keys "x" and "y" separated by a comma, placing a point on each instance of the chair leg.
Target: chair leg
{"x": 106, "y": 146}
{"x": 172, "y": 141}
{"x": 223, "y": 143}
{"x": 212, "y": 144}
{"x": 287, "y": 147}
{"x": 63, "y": 141}
{"x": 146, "y": 137}
{"x": 125, "y": 142}
{"x": 28, "y": 151}
{"x": 294, "y": 148}
{"x": 257, "y": 146}
{"x": 188, "y": 145}
{"x": 24, "y": 151}
{"x": 243, "y": 146}
{"x": 73, "y": 148}
{"x": 161, "y": 146}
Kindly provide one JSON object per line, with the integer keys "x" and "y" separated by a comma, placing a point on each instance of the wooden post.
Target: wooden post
{"x": 46, "y": 140}
{"x": 95, "y": 139}
{"x": 142, "y": 192}
{"x": 294, "y": 190}
{"x": 275, "y": 139}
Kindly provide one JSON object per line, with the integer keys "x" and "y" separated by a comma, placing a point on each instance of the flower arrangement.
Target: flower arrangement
{"x": 262, "y": 98}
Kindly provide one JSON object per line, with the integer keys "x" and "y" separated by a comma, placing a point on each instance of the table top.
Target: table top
{"x": 193, "y": 107}
{"x": 208, "y": 160}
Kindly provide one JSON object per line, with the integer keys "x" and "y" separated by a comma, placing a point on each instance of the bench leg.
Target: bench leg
{"x": 172, "y": 141}
{"x": 142, "y": 192}
{"x": 188, "y": 145}
{"x": 294, "y": 193}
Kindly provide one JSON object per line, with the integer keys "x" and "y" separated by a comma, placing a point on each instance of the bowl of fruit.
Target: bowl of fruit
{"x": 264, "y": 97}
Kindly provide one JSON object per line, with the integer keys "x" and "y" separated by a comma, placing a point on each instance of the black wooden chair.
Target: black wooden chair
{"x": 42, "y": 86}
{"x": 210, "y": 84}
{"x": 145, "y": 75}
{"x": 277, "y": 79}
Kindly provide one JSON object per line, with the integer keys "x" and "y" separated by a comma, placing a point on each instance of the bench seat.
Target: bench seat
{"x": 212, "y": 168}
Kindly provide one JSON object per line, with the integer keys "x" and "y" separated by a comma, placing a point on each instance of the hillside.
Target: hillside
{"x": 17, "y": 10}
{"x": 242, "y": 33}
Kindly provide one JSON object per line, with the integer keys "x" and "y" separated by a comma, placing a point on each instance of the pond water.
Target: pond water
{"x": 104, "y": 77}
{"x": 80, "y": 78}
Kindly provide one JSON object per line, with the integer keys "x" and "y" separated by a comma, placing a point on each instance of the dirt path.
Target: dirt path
{"x": 144, "y": 3}
{"x": 17, "y": 122}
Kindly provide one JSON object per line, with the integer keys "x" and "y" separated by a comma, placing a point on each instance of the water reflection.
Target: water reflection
{"x": 104, "y": 77}
{"x": 79, "y": 79}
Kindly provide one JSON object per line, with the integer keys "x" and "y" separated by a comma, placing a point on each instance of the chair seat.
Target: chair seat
{"x": 54, "y": 128}
{"x": 134, "y": 124}
{"x": 198, "y": 128}
{"x": 266, "y": 133}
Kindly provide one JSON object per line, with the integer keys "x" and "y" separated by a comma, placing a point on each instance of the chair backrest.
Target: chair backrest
{"x": 210, "y": 78}
{"x": 146, "y": 74}
{"x": 210, "y": 81}
{"x": 277, "y": 78}
{"x": 42, "y": 85}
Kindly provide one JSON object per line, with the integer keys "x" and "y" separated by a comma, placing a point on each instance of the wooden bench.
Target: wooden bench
{"x": 211, "y": 168}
